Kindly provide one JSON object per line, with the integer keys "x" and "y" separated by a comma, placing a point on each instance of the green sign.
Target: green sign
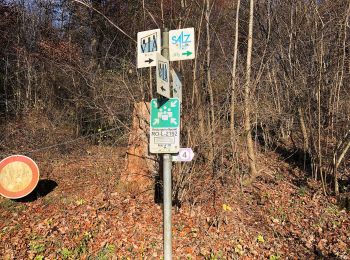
{"x": 165, "y": 113}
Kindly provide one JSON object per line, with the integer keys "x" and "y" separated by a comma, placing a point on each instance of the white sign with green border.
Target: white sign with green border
{"x": 165, "y": 126}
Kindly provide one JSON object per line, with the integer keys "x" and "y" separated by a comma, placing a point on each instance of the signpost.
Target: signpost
{"x": 165, "y": 126}
{"x": 181, "y": 44}
{"x": 19, "y": 176}
{"x": 185, "y": 155}
{"x": 163, "y": 76}
{"x": 165, "y": 111}
{"x": 148, "y": 45}
{"x": 177, "y": 85}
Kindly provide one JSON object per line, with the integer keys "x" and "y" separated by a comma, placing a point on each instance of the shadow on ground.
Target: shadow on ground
{"x": 43, "y": 188}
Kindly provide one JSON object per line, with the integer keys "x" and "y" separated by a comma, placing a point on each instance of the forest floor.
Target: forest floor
{"x": 79, "y": 211}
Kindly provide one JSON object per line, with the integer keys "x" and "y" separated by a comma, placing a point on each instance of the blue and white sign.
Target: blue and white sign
{"x": 181, "y": 44}
{"x": 163, "y": 77}
{"x": 148, "y": 45}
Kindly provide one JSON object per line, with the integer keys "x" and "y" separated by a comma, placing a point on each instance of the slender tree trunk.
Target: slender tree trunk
{"x": 17, "y": 90}
{"x": 247, "y": 125}
{"x": 29, "y": 83}
{"x": 210, "y": 87}
{"x": 150, "y": 83}
{"x": 162, "y": 12}
{"x": 319, "y": 148}
{"x": 5, "y": 87}
{"x": 338, "y": 156}
{"x": 337, "y": 159}
{"x": 196, "y": 94}
{"x": 305, "y": 135}
{"x": 233, "y": 89}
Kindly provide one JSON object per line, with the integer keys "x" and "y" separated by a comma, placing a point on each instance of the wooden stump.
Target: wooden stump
{"x": 141, "y": 166}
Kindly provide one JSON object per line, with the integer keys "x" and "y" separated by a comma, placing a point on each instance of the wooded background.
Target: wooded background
{"x": 75, "y": 62}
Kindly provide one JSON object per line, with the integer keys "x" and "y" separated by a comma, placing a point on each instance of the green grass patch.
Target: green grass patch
{"x": 106, "y": 252}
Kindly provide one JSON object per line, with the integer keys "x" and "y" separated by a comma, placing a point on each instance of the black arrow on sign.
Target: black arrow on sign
{"x": 162, "y": 88}
{"x": 149, "y": 60}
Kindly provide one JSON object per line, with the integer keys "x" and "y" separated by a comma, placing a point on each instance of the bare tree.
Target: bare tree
{"x": 233, "y": 87}
{"x": 247, "y": 97}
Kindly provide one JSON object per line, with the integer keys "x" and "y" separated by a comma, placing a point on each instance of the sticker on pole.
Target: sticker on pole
{"x": 19, "y": 176}
{"x": 148, "y": 45}
{"x": 181, "y": 44}
{"x": 185, "y": 155}
{"x": 163, "y": 77}
{"x": 165, "y": 126}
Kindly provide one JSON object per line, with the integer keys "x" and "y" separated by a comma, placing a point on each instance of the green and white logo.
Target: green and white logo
{"x": 165, "y": 114}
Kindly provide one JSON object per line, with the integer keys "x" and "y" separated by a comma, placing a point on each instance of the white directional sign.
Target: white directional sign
{"x": 181, "y": 44}
{"x": 148, "y": 45}
{"x": 185, "y": 155}
{"x": 177, "y": 85}
{"x": 165, "y": 126}
{"x": 163, "y": 76}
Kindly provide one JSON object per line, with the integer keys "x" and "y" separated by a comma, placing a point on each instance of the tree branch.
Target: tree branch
{"x": 104, "y": 16}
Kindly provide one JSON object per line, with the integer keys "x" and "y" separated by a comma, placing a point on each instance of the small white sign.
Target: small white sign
{"x": 164, "y": 140}
{"x": 177, "y": 85}
{"x": 185, "y": 155}
{"x": 163, "y": 77}
{"x": 181, "y": 44}
{"x": 148, "y": 45}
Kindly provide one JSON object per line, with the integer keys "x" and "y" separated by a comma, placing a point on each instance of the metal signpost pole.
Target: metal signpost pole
{"x": 167, "y": 161}
{"x": 165, "y": 112}
{"x": 167, "y": 206}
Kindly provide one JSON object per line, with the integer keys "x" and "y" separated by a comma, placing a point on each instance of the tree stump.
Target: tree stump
{"x": 141, "y": 166}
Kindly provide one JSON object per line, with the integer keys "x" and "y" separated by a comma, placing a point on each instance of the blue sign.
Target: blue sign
{"x": 163, "y": 71}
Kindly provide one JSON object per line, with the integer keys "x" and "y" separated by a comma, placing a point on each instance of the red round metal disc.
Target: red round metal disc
{"x": 19, "y": 176}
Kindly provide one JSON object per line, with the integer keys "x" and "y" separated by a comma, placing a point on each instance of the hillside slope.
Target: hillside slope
{"x": 80, "y": 210}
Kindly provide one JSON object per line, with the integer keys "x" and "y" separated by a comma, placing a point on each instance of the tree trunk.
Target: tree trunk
{"x": 247, "y": 125}
{"x": 141, "y": 166}
{"x": 338, "y": 156}
{"x": 196, "y": 93}
{"x": 233, "y": 88}
{"x": 304, "y": 133}
{"x": 211, "y": 125}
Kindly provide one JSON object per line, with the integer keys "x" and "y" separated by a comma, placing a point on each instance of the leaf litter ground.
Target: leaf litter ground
{"x": 87, "y": 215}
